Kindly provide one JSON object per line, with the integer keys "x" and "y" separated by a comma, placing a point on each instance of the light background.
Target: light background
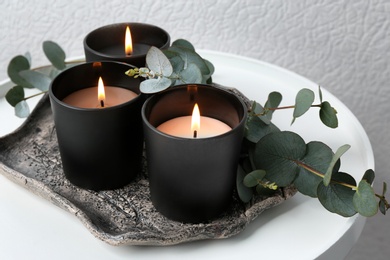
{"x": 342, "y": 45}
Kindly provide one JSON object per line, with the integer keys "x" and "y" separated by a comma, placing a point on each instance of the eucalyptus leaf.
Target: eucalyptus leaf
{"x": 253, "y": 178}
{"x": 340, "y": 151}
{"x": 22, "y": 109}
{"x": 207, "y": 77}
{"x": 158, "y": 62}
{"x": 364, "y": 199}
{"x": 189, "y": 57}
{"x": 191, "y": 74}
{"x": 382, "y": 206}
{"x": 36, "y": 79}
{"x": 55, "y": 54}
{"x": 28, "y": 57}
{"x": 328, "y": 115}
{"x": 151, "y": 86}
{"x": 257, "y": 110}
{"x": 243, "y": 191}
{"x": 278, "y": 153}
{"x": 338, "y": 198}
{"x": 303, "y": 102}
{"x": 15, "y": 95}
{"x": 183, "y": 44}
{"x": 369, "y": 176}
{"x": 257, "y": 129}
{"x": 175, "y": 60}
{"x": 273, "y": 101}
{"x": 210, "y": 66}
{"x": 16, "y": 65}
{"x": 318, "y": 156}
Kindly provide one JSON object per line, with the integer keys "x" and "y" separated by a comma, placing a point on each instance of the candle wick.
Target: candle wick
{"x": 195, "y": 133}
{"x": 102, "y": 103}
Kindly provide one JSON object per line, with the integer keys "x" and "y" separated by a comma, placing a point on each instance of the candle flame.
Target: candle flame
{"x": 128, "y": 42}
{"x": 101, "y": 93}
{"x": 195, "y": 120}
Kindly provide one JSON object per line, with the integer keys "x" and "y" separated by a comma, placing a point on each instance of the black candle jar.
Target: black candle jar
{"x": 108, "y": 42}
{"x": 100, "y": 148}
{"x": 192, "y": 179}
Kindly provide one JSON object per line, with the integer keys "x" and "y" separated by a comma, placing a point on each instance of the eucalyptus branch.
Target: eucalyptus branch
{"x": 273, "y": 154}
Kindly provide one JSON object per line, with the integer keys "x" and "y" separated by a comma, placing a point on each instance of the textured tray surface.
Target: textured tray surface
{"x": 30, "y": 157}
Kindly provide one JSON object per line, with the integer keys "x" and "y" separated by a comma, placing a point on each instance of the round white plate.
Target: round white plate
{"x": 300, "y": 228}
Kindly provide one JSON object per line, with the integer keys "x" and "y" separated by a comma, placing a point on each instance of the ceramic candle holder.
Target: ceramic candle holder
{"x": 100, "y": 148}
{"x": 192, "y": 179}
{"x": 108, "y": 42}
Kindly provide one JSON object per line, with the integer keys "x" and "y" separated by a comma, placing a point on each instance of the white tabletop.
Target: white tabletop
{"x": 300, "y": 228}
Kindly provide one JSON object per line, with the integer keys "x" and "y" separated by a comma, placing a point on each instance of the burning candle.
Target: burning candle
{"x": 100, "y": 96}
{"x": 125, "y": 42}
{"x": 192, "y": 179}
{"x": 99, "y": 133}
{"x": 194, "y": 126}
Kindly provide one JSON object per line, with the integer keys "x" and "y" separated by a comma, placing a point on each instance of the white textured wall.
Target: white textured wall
{"x": 342, "y": 45}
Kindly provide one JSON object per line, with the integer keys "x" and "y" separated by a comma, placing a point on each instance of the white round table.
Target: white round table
{"x": 300, "y": 228}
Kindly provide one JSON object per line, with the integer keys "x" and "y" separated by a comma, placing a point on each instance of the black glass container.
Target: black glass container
{"x": 107, "y": 43}
{"x": 100, "y": 148}
{"x": 192, "y": 179}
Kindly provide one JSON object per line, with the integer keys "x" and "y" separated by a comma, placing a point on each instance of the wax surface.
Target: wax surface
{"x": 88, "y": 97}
{"x": 181, "y": 127}
{"x": 119, "y": 50}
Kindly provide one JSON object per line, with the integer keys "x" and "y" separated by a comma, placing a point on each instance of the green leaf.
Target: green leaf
{"x": 183, "y": 44}
{"x": 175, "y": 60}
{"x": 382, "y": 206}
{"x": 150, "y": 86}
{"x": 244, "y": 193}
{"x": 15, "y": 95}
{"x": 274, "y": 99}
{"x": 191, "y": 74}
{"x": 364, "y": 199}
{"x": 369, "y": 176}
{"x": 36, "y": 79}
{"x": 55, "y": 54}
{"x": 21, "y": 109}
{"x": 382, "y": 202}
{"x": 338, "y": 198}
{"x": 189, "y": 57}
{"x": 253, "y": 178}
{"x": 257, "y": 110}
{"x": 27, "y": 55}
{"x": 277, "y": 154}
{"x": 318, "y": 156}
{"x": 16, "y": 65}
{"x": 210, "y": 66}
{"x": 303, "y": 102}
{"x": 257, "y": 129}
{"x": 336, "y": 157}
{"x": 328, "y": 115}
{"x": 158, "y": 62}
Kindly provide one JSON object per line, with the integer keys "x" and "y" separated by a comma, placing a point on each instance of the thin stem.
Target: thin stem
{"x": 37, "y": 94}
{"x": 319, "y": 174}
{"x": 265, "y": 111}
